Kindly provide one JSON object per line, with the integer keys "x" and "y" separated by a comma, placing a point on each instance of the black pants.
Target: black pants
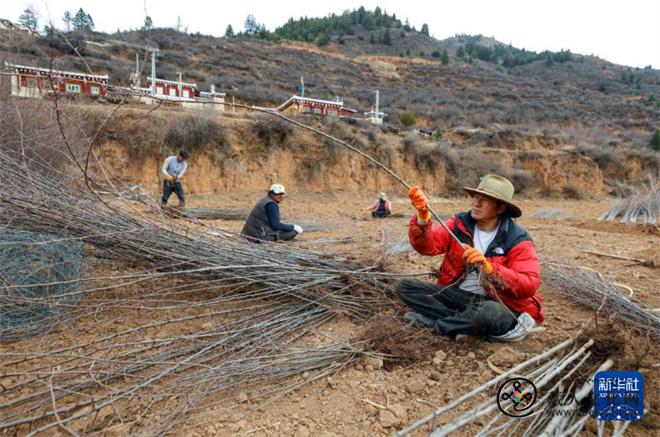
{"x": 456, "y": 311}
{"x": 285, "y": 235}
{"x": 168, "y": 188}
{"x": 276, "y": 236}
{"x": 380, "y": 213}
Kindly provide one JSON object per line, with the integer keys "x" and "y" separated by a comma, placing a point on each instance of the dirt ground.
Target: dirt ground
{"x": 375, "y": 397}
{"x": 371, "y": 399}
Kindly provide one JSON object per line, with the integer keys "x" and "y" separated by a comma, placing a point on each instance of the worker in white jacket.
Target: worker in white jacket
{"x": 173, "y": 169}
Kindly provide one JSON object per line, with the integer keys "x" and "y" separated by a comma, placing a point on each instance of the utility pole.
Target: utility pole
{"x": 180, "y": 85}
{"x": 154, "y": 51}
{"x": 135, "y": 80}
{"x": 377, "y": 106}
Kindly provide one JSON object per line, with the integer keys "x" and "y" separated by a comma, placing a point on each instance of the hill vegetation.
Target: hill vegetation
{"x": 464, "y": 81}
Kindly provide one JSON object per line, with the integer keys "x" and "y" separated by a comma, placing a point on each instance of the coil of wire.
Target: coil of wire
{"x": 39, "y": 277}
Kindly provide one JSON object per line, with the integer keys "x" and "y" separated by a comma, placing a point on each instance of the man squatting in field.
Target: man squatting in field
{"x": 263, "y": 223}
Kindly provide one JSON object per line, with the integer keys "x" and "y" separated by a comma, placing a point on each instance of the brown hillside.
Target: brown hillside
{"x": 249, "y": 152}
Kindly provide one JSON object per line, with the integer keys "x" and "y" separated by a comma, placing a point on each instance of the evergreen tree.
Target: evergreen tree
{"x": 655, "y": 140}
{"x": 29, "y": 19}
{"x": 425, "y": 29}
{"x": 89, "y": 22}
{"x": 387, "y": 38}
{"x": 82, "y": 21}
{"x": 372, "y": 39}
{"x": 323, "y": 39}
{"x": 445, "y": 57}
{"x": 148, "y": 24}
{"x": 67, "y": 21}
{"x": 407, "y": 118}
{"x": 251, "y": 25}
{"x": 460, "y": 52}
{"x": 229, "y": 32}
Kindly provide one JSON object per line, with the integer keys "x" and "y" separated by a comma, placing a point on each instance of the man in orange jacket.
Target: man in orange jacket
{"x": 488, "y": 285}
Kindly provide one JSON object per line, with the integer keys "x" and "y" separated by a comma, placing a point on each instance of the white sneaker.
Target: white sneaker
{"x": 524, "y": 326}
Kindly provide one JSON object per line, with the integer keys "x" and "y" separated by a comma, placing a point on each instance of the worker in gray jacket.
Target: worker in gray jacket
{"x": 263, "y": 223}
{"x": 173, "y": 169}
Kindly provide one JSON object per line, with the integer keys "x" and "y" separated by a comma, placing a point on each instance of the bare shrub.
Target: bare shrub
{"x": 198, "y": 133}
{"x": 29, "y": 130}
{"x": 410, "y": 144}
{"x": 472, "y": 164}
{"x": 523, "y": 180}
{"x": 271, "y": 131}
{"x": 602, "y": 156}
{"x": 650, "y": 160}
{"x": 372, "y": 135}
{"x": 530, "y": 155}
{"x": 572, "y": 192}
{"x": 386, "y": 153}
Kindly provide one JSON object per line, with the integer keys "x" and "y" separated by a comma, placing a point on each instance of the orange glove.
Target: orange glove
{"x": 169, "y": 178}
{"x": 180, "y": 178}
{"x": 473, "y": 256}
{"x": 420, "y": 202}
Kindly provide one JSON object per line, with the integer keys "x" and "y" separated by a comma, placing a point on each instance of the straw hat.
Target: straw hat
{"x": 498, "y": 188}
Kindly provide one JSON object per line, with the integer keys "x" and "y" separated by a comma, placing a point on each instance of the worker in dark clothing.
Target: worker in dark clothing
{"x": 263, "y": 223}
{"x": 382, "y": 207}
{"x": 173, "y": 169}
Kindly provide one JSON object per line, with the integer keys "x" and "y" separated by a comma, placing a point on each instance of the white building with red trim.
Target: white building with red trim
{"x": 28, "y": 81}
{"x": 172, "y": 89}
{"x": 305, "y": 105}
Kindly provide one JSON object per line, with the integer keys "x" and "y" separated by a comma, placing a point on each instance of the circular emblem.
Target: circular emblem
{"x": 516, "y": 397}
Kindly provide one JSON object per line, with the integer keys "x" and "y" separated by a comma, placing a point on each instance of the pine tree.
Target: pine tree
{"x": 655, "y": 140}
{"x": 229, "y": 32}
{"x": 67, "y": 20}
{"x": 323, "y": 39}
{"x": 89, "y": 22}
{"x": 29, "y": 19}
{"x": 148, "y": 24}
{"x": 79, "y": 21}
{"x": 445, "y": 57}
{"x": 251, "y": 25}
{"x": 387, "y": 38}
{"x": 425, "y": 29}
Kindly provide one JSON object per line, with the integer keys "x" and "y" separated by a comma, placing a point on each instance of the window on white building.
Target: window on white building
{"x": 318, "y": 111}
{"x": 186, "y": 93}
{"x": 72, "y": 88}
{"x": 32, "y": 82}
{"x": 159, "y": 90}
{"x": 172, "y": 92}
{"x": 95, "y": 90}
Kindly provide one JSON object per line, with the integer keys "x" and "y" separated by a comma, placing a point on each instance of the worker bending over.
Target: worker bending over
{"x": 173, "y": 169}
{"x": 488, "y": 285}
{"x": 263, "y": 223}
